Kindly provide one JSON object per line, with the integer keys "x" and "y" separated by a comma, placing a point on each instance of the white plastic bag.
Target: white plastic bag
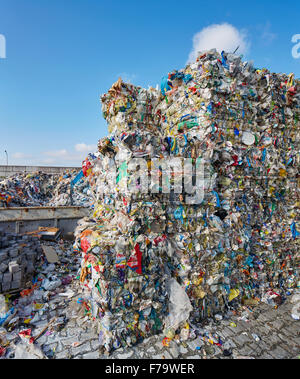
{"x": 179, "y": 305}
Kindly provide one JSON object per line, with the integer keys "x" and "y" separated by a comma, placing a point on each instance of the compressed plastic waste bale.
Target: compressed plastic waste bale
{"x": 240, "y": 242}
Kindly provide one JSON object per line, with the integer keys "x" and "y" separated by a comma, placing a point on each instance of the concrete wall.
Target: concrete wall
{"x": 66, "y": 226}
{"x": 11, "y": 170}
{"x": 22, "y": 220}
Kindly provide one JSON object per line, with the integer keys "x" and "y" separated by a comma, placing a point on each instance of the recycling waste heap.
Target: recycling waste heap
{"x": 41, "y": 189}
{"x": 151, "y": 261}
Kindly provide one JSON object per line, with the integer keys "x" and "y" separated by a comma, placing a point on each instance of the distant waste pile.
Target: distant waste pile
{"x": 154, "y": 261}
{"x": 40, "y": 189}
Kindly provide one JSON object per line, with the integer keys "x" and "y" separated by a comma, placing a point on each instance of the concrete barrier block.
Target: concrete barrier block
{"x": 15, "y": 284}
{"x": 3, "y": 267}
{"x": 7, "y": 278}
{"x": 5, "y": 287}
{"x": 13, "y": 267}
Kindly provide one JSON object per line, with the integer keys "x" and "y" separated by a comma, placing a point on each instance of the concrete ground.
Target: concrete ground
{"x": 276, "y": 336}
{"x": 260, "y": 332}
{"x": 268, "y": 333}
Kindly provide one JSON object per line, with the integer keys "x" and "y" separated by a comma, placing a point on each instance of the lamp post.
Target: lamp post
{"x": 6, "y": 157}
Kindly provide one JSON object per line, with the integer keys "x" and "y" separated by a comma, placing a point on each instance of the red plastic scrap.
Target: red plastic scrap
{"x": 2, "y": 351}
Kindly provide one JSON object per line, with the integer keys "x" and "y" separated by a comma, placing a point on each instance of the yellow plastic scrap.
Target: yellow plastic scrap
{"x": 199, "y": 293}
{"x": 233, "y": 294}
{"x": 38, "y": 306}
{"x": 282, "y": 173}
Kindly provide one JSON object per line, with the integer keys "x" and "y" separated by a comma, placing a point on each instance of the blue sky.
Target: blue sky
{"x": 62, "y": 55}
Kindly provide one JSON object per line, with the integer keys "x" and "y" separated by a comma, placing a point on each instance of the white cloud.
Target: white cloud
{"x": 84, "y": 148}
{"x": 57, "y": 153}
{"x": 2, "y": 47}
{"x": 65, "y": 157}
{"x": 19, "y": 155}
{"x": 221, "y": 37}
{"x": 267, "y": 36}
{"x": 48, "y": 161}
{"x": 61, "y": 157}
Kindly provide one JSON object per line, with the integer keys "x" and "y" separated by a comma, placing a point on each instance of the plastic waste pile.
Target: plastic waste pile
{"x": 27, "y": 189}
{"x": 153, "y": 261}
{"x": 66, "y": 193}
{"x": 40, "y": 189}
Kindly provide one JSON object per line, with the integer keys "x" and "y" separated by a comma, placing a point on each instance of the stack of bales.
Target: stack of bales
{"x": 237, "y": 241}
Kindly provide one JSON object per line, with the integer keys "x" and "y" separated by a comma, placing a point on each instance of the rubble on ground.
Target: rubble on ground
{"x": 39, "y": 307}
{"x": 51, "y": 319}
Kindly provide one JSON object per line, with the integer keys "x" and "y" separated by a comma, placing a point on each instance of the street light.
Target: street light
{"x": 6, "y": 157}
